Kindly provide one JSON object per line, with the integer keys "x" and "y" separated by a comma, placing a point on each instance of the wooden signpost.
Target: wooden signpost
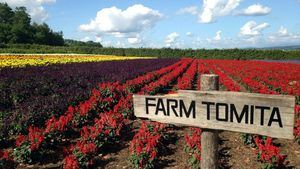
{"x": 270, "y": 115}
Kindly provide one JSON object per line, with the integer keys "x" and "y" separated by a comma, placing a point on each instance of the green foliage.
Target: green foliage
{"x": 248, "y": 139}
{"x": 44, "y": 35}
{"x": 23, "y": 154}
{"x": 194, "y": 163}
{"x": 70, "y": 42}
{"x": 21, "y": 29}
{"x": 239, "y": 54}
{"x": 16, "y": 28}
{"x": 137, "y": 160}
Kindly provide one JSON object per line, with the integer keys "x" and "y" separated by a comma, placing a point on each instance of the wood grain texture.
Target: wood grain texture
{"x": 284, "y": 103}
{"x": 209, "y": 138}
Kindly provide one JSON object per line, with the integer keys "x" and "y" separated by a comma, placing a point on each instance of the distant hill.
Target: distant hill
{"x": 292, "y": 47}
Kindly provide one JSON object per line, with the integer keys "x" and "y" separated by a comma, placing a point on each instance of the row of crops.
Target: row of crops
{"x": 22, "y": 60}
{"x": 30, "y": 95}
{"x": 78, "y": 130}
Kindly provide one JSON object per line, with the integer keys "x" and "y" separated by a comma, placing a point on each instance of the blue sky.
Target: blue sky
{"x": 172, "y": 23}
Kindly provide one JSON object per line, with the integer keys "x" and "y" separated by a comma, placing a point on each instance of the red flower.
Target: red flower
{"x": 269, "y": 153}
{"x": 20, "y": 139}
{"x": 297, "y": 109}
{"x": 6, "y": 155}
{"x": 88, "y": 148}
{"x": 153, "y": 154}
{"x": 70, "y": 162}
{"x": 50, "y": 124}
{"x": 36, "y": 137}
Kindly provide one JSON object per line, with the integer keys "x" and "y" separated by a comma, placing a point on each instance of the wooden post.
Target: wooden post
{"x": 209, "y": 138}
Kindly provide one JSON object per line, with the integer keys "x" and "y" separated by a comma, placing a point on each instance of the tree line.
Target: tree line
{"x": 16, "y": 28}
{"x": 242, "y": 54}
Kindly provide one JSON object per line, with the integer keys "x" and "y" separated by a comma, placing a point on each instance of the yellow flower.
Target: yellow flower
{"x": 22, "y": 60}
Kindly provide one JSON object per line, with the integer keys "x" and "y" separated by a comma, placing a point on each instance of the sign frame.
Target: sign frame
{"x": 279, "y": 108}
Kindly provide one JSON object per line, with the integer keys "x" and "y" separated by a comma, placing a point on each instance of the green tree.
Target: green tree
{"x": 6, "y": 17}
{"x": 21, "y": 29}
{"x": 45, "y": 36}
{"x": 6, "y": 13}
{"x": 41, "y": 33}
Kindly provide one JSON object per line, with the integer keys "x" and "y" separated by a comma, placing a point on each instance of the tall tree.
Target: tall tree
{"x": 6, "y": 17}
{"x": 21, "y": 29}
{"x": 41, "y": 33}
{"x": 6, "y": 13}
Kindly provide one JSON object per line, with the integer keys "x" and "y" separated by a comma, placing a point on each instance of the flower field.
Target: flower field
{"x": 23, "y": 60}
{"x": 80, "y": 115}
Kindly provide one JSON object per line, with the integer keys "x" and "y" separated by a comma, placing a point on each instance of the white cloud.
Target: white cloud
{"x": 218, "y": 36}
{"x": 35, "y": 8}
{"x": 189, "y": 34}
{"x": 171, "y": 39}
{"x": 107, "y": 43}
{"x": 188, "y": 10}
{"x": 251, "y": 28}
{"x": 256, "y": 10}
{"x": 214, "y": 8}
{"x": 283, "y": 31}
{"x": 98, "y": 39}
{"x": 120, "y": 44}
{"x": 85, "y": 39}
{"x": 123, "y": 23}
{"x": 135, "y": 40}
{"x": 283, "y": 37}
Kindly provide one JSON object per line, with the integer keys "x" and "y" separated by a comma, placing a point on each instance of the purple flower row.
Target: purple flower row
{"x": 31, "y": 95}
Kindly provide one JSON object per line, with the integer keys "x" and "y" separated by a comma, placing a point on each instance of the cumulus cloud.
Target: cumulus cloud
{"x": 218, "y": 36}
{"x": 214, "y": 8}
{"x": 35, "y": 8}
{"x": 256, "y": 10}
{"x": 135, "y": 40}
{"x": 283, "y": 31}
{"x": 171, "y": 39}
{"x": 98, "y": 39}
{"x": 189, "y": 34}
{"x": 283, "y": 36}
{"x": 216, "y": 39}
{"x": 85, "y": 39}
{"x": 120, "y": 44}
{"x": 123, "y": 23}
{"x": 251, "y": 28}
{"x": 188, "y": 10}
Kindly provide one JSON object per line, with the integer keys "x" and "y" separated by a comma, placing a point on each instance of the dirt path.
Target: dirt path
{"x": 235, "y": 155}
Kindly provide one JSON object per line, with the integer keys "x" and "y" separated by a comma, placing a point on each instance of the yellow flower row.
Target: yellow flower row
{"x": 47, "y": 59}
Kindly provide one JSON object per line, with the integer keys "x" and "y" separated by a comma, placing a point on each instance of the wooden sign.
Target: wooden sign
{"x": 270, "y": 115}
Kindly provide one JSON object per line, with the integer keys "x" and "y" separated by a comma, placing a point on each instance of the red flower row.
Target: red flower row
{"x": 185, "y": 82}
{"x": 193, "y": 145}
{"x": 269, "y": 154}
{"x": 166, "y": 80}
{"x": 101, "y": 100}
{"x": 223, "y": 77}
{"x": 109, "y": 124}
{"x": 144, "y": 145}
